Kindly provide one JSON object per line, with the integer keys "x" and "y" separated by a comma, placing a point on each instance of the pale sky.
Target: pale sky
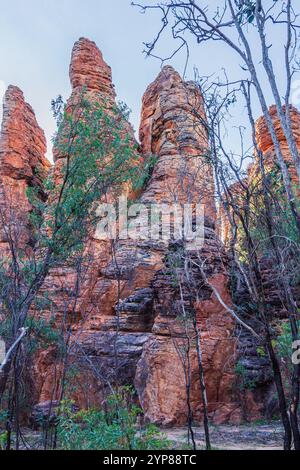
{"x": 37, "y": 36}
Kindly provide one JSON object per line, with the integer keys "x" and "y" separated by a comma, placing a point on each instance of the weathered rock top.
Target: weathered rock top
{"x": 173, "y": 130}
{"x": 263, "y": 135}
{"x": 89, "y": 70}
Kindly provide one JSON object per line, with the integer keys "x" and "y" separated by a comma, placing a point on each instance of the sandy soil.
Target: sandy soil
{"x": 226, "y": 437}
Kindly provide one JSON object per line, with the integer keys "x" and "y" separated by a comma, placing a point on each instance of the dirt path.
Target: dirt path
{"x": 226, "y": 437}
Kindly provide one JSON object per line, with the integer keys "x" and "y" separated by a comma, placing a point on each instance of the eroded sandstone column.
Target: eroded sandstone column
{"x": 22, "y": 163}
{"x": 173, "y": 129}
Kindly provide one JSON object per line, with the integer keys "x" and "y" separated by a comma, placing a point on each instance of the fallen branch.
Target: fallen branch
{"x": 23, "y": 333}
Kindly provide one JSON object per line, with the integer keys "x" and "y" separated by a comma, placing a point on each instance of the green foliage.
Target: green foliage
{"x": 284, "y": 224}
{"x": 100, "y": 159}
{"x": 3, "y": 417}
{"x": 244, "y": 382}
{"x": 72, "y": 374}
{"x": 247, "y": 10}
{"x": 3, "y": 440}
{"x": 283, "y": 345}
{"x": 3, "y": 434}
{"x": 43, "y": 332}
{"x": 124, "y": 110}
{"x": 261, "y": 351}
{"x": 144, "y": 172}
{"x": 112, "y": 428}
{"x": 97, "y": 157}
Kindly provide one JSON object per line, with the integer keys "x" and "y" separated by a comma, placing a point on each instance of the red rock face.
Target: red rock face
{"x": 263, "y": 136}
{"x": 22, "y": 161}
{"x": 23, "y": 144}
{"x": 171, "y": 129}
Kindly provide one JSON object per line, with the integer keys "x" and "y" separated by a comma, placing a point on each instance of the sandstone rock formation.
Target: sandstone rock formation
{"x": 22, "y": 164}
{"x": 126, "y": 327}
{"x": 266, "y": 145}
{"x": 263, "y": 136}
{"x": 171, "y": 129}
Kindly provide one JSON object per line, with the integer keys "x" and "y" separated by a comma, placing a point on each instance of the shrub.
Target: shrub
{"x": 114, "y": 427}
